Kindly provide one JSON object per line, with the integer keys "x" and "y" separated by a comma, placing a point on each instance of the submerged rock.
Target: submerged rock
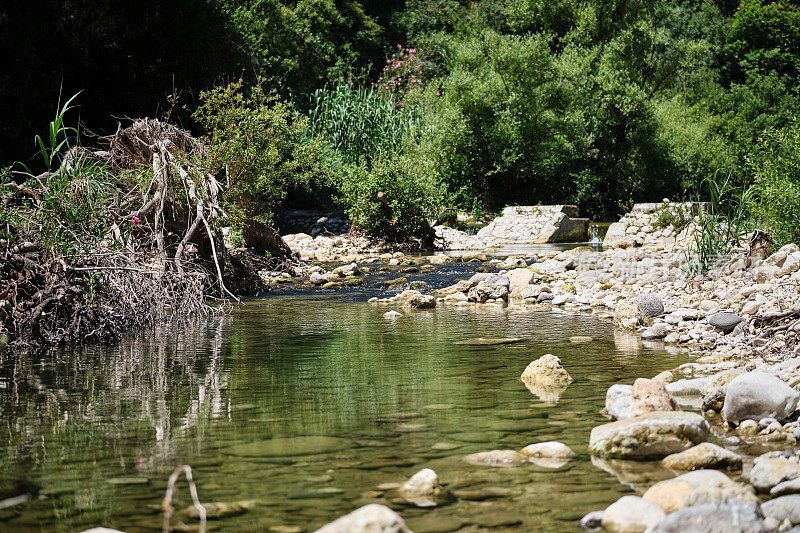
{"x": 372, "y": 518}
{"x": 482, "y": 494}
{"x": 289, "y": 446}
{"x": 649, "y": 436}
{"x": 217, "y": 510}
{"x": 482, "y": 341}
{"x": 758, "y": 395}
{"x": 631, "y": 514}
{"x": 496, "y": 458}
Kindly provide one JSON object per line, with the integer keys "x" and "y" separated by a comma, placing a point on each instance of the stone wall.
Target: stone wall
{"x": 537, "y": 224}
{"x": 641, "y": 225}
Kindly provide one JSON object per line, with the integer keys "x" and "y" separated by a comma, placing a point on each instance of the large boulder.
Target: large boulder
{"x": 631, "y": 514}
{"x": 546, "y": 370}
{"x": 372, "y": 518}
{"x": 650, "y": 395}
{"x": 704, "y": 455}
{"x": 619, "y": 401}
{"x": 726, "y": 516}
{"x": 649, "y": 436}
{"x": 758, "y": 395}
{"x": 562, "y": 228}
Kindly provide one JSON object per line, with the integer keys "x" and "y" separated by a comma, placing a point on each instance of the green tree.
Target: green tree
{"x": 297, "y": 47}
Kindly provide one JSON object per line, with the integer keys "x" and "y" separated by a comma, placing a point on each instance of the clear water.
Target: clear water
{"x": 298, "y": 407}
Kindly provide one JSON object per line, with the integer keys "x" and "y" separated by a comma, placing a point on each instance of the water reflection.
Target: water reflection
{"x": 295, "y": 410}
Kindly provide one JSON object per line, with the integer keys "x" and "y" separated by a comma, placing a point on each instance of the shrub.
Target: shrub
{"x": 401, "y": 79}
{"x": 394, "y": 199}
{"x": 775, "y": 165}
{"x": 261, "y": 147}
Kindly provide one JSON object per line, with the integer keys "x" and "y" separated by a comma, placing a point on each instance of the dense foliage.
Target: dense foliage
{"x": 775, "y": 200}
{"x": 259, "y": 147}
{"x": 595, "y": 102}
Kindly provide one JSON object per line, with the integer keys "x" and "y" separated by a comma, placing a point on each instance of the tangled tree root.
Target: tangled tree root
{"x": 95, "y": 299}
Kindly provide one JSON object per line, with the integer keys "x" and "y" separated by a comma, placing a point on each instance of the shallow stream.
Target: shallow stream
{"x": 297, "y": 406}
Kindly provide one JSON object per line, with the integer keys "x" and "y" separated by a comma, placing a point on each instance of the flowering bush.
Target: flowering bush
{"x": 401, "y": 80}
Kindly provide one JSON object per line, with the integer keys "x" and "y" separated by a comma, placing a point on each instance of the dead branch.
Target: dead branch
{"x": 166, "y": 504}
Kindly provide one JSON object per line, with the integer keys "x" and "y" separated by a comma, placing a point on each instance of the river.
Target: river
{"x": 298, "y": 406}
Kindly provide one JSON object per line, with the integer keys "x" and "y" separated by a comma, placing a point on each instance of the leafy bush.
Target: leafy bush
{"x": 393, "y": 199}
{"x": 261, "y": 147}
{"x": 775, "y": 165}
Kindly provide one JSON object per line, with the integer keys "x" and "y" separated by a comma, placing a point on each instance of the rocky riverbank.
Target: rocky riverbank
{"x": 741, "y": 321}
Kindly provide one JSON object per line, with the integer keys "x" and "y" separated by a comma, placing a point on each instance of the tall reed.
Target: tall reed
{"x": 360, "y": 124}
{"x": 721, "y": 224}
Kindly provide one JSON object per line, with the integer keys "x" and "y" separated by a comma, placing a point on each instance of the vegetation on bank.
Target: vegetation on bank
{"x": 401, "y": 111}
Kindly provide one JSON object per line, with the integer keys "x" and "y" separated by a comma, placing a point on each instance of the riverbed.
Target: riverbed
{"x": 298, "y": 407}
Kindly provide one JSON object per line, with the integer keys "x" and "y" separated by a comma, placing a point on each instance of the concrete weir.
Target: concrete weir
{"x": 537, "y": 224}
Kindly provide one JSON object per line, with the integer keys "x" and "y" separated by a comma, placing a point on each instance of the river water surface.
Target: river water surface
{"x": 297, "y": 407}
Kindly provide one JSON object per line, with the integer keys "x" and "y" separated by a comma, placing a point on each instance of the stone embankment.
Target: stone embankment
{"x": 649, "y": 223}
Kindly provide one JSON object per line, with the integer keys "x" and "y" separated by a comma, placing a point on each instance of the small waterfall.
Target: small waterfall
{"x": 594, "y": 231}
